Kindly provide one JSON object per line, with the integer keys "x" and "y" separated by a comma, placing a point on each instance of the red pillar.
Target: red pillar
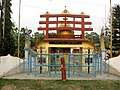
{"x": 63, "y": 69}
{"x": 57, "y": 22}
{"x": 73, "y": 21}
{"x": 82, "y": 27}
{"x": 47, "y": 26}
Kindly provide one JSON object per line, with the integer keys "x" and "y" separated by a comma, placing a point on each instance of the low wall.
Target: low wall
{"x": 7, "y": 63}
{"x": 114, "y": 65}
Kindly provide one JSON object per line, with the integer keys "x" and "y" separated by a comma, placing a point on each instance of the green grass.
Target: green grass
{"x": 15, "y": 84}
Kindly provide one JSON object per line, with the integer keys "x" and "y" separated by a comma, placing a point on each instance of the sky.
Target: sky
{"x": 32, "y": 9}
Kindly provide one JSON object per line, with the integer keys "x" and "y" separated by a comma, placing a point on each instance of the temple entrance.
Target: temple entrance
{"x": 64, "y": 51}
{"x": 56, "y": 59}
{"x": 59, "y": 50}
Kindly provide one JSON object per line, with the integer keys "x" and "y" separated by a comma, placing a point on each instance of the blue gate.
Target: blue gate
{"x": 83, "y": 65}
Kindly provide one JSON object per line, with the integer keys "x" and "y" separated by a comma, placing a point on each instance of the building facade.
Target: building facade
{"x": 69, "y": 36}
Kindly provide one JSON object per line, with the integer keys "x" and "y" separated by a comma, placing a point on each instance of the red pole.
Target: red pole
{"x": 47, "y": 26}
{"x": 83, "y": 27}
{"x": 63, "y": 69}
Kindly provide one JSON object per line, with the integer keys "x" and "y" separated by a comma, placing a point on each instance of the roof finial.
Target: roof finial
{"x": 47, "y": 12}
{"x": 65, "y": 7}
{"x": 65, "y": 11}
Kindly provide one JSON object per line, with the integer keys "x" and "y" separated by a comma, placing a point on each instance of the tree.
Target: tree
{"x": 37, "y": 37}
{"x": 8, "y": 43}
{"x": 116, "y": 29}
{"x": 0, "y": 21}
{"x": 93, "y": 37}
{"x": 107, "y": 35}
{"x": 22, "y": 40}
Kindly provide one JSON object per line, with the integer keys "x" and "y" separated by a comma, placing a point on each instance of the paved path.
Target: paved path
{"x": 16, "y": 74}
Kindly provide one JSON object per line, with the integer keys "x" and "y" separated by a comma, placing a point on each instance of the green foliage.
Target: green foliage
{"x": 37, "y": 37}
{"x": 8, "y": 43}
{"x": 107, "y": 37}
{"x": 116, "y": 28}
{"x": 22, "y": 40}
{"x": 115, "y": 31}
{"x": 93, "y": 37}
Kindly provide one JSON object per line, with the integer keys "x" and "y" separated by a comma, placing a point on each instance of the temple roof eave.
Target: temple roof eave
{"x": 64, "y": 40}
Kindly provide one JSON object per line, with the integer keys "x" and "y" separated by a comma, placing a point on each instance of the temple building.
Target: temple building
{"x": 68, "y": 38}
{"x": 64, "y": 40}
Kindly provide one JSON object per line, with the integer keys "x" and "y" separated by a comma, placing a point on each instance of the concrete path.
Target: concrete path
{"x": 18, "y": 74}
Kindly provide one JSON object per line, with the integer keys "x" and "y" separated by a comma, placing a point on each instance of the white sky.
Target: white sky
{"x": 32, "y": 9}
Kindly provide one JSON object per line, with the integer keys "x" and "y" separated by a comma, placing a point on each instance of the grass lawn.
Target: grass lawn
{"x": 15, "y": 84}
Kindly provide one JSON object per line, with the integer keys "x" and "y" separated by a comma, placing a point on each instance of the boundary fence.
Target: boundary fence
{"x": 83, "y": 65}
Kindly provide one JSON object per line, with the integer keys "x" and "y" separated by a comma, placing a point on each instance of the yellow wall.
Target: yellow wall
{"x": 84, "y": 45}
{"x": 46, "y": 45}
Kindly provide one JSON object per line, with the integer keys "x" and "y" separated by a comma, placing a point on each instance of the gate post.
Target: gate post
{"x": 40, "y": 60}
{"x": 63, "y": 69}
{"x": 88, "y": 61}
{"x": 100, "y": 62}
{"x": 68, "y": 65}
{"x": 29, "y": 63}
{"x": 34, "y": 55}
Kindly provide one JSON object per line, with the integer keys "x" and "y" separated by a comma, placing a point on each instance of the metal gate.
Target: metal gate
{"x": 83, "y": 65}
